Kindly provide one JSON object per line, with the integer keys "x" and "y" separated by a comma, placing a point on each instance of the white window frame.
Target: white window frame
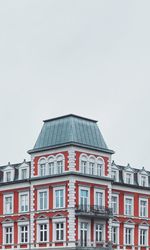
{"x": 100, "y": 161}
{"x": 42, "y": 222}
{"x": 20, "y": 194}
{"x": 129, "y": 226}
{"x": 132, "y": 208}
{"x": 116, "y": 196}
{"x": 103, "y": 233}
{"x": 115, "y": 175}
{"x": 38, "y": 199}
{"x": 87, "y": 189}
{"x": 88, "y": 231}
{"x": 60, "y": 158}
{"x": 54, "y": 222}
{"x": 116, "y": 225}
{"x": 145, "y": 227}
{"x": 146, "y": 180}
{"x": 4, "y": 203}
{"x": 84, "y": 158}
{"x": 99, "y": 190}
{"x": 131, "y": 174}
{"x": 64, "y": 196}
{"x": 4, "y": 234}
{"x": 11, "y": 170}
{"x": 143, "y": 199}
{"x": 21, "y": 224}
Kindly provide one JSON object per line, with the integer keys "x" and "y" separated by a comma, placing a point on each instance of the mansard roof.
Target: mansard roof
{"x": 70, "y": 130}
{"x": 135, "y": 172}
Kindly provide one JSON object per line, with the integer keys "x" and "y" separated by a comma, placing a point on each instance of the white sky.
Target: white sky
{"x": 91, "y": 58}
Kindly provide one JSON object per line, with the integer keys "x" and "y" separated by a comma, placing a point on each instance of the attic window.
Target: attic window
{"x": 129, "y": 178}
{"x": 8, "y": 176}
{"x": 23, "y": 173}
{"x": 143, "y": 181}
{"x": 114, "y": 175}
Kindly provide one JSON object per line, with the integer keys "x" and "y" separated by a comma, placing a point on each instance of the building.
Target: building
{"x": 71, "y": 195}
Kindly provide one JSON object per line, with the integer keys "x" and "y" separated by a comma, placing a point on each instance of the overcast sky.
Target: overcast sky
{"x": 91, "y": 58}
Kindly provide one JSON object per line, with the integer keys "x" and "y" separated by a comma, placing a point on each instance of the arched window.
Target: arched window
{"x": 59, "y": 164}
{"x": 83, "y": 164}
{"x": 51, "y": 161}
{"x": 42, "y": 167}
{"x": 91, "y": 165}
{"x": 100, "y": 167}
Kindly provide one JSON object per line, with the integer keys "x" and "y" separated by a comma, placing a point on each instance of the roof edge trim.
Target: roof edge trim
{"x": 70, "y": 144}
{"x": 73, "y": 115}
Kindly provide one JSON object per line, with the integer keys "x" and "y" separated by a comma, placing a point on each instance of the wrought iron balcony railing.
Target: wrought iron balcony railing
{"x": 92, "y": 245}
{"x": 94, "y": 211}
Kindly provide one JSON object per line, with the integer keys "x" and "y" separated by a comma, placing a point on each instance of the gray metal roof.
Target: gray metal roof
{"x": 70, "y": 129}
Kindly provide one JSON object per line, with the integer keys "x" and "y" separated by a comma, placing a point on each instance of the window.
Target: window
{"x": 84, "y": 199}
{"x": 59, "y": 196}
{"x": 143, "y": 181}
{"x": 128, "y": 179}
{"x": 84, "y": 234}
{"x": 114, "y": 233}
{"x": 114, "y": 175}
{"x": 143, "y": 208}
{"x": 51, "y": 168}
{"x": 43, "y": 199}
{"x": 143, "y": 237}
{"x": 8, "y": 176}
{"x": 129, "y": 206}
{"x": 59, "y": 167}
{"x": 114, "y": 204}
{"x": 42, "y": 167}
{"x": 24, "y": 202}
{"x": 59, "y": 164}
{"x": 60, "y": 231}
{"x": 43, "y": 230}
{"x": 100, "y": 165}
{"x": 8, "y": 204}
{"x": 128, "y": 236}
{"x": 99, "y": 199}
{"x": 99, "y": 232}
{"x": 8, "y": 235}
{"x": 23, "y": 173}
{"x": 24, "y": 234}
{"x": 83, "y": 167}
{"x": 91, "y": 168}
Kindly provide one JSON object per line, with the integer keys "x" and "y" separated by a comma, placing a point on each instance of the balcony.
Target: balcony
{"x": 88, "y": 245}
{"x": 94, "y": 211}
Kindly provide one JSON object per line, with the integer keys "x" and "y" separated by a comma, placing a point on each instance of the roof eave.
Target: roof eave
{"x": 71, "y": 144}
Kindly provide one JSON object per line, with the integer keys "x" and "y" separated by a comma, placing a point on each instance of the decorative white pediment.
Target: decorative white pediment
{"x": 128, "y": 168}
{"x": 7, "y": 221}
{"x": 129, "y": 222}
{"x": 143, "y": 171}
{"x": 23, "y": 219}
{"x": 42, "y": 217}
{"x": 24, "y": 164}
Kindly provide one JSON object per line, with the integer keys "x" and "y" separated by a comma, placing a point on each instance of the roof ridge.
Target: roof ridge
{"x": 68, "y": 115}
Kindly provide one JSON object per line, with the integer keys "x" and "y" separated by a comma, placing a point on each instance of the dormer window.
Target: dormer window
{"x": 114, "y": 175}
{"x": 143, "y": 181}
{"x": 24, "y": 173}
{"x": 128, "y": 178}
{"x": 8, "y": 176}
